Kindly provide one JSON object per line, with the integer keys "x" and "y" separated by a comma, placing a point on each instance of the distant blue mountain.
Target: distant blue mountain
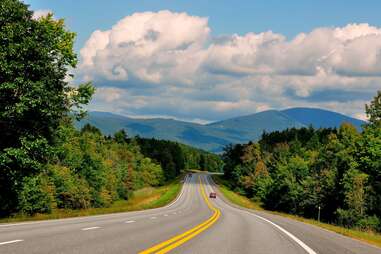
{"x": 320, "y": 118}
{"x": 214, "y": 136}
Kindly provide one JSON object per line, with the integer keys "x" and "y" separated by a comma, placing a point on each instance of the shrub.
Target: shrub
{"x": 369, "y": 223}
{"x": 71, "y": 191}
{"x": 36, "y": 195}
{"x": 150, "y": 174}
{"x": 347, "y": 218}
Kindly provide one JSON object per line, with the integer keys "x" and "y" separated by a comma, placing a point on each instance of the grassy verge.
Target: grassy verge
{"x": 369, "y": 237}
{"x": 145, "y": 198}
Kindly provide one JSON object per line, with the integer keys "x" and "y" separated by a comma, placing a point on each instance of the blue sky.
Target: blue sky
{"x": 230, "y": 58}
{"x": 225, "y": 17}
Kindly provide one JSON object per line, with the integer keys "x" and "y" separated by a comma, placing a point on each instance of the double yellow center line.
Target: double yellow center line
{"x": 178, "y": 240}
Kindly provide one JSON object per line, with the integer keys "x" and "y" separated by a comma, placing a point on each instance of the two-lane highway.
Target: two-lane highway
{"x": 193, "y": 223}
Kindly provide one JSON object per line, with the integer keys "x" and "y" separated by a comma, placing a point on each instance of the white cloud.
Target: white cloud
{"x": 41, "y": 13}
{"x": 109, "y": 94}
{"x": 152, "y": 47}
{"x": 167, "y": 63}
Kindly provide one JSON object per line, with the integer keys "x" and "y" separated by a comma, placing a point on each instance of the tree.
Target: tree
{"x": 34, "y": 94}
{"x": 373, "y": 110}
{"x": 369, "y": 153}
{"x": 354, "y": 186}
{"x": 90, "y": 128}
{"x": 354, "y": 183}
{"x": 231, "y": 157}
{"x": 36, "y": 196}
{"x": 120, "y": 136}
{"x": 202, "y": 162}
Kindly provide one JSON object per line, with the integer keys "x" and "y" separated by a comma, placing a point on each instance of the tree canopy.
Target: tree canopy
{"x": 35, "y": 97}
{"x": 299, "y": 170}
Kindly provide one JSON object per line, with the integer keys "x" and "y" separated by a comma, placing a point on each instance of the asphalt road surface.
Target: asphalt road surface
{"x": 193, "y": 223}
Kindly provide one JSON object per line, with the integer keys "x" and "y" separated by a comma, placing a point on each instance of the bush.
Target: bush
{"x": 262, "y": 187}
{"x": 150, "y": 174}
{"x": 71, "y": 192}
{"x": 123, "y": 188}
{"x": 36, "y": 195}
{"x": 369, "y": 223}
{"x": 347, "y": 218}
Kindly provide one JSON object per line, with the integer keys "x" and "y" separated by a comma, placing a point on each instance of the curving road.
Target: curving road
{"x": 193, "y": 223}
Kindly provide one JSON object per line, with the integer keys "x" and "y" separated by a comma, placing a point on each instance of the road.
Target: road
{"x": 193, "y": 223}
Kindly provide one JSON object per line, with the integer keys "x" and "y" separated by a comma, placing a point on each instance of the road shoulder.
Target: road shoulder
{"x": 312, "y": 234}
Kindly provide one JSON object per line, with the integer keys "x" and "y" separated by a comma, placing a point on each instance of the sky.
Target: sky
{"x": 204, "y": 61}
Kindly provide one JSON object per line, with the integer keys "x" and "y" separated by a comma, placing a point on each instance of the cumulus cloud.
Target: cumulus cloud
{"x": 152, "y": 47}
{"x": 167, "y": 63}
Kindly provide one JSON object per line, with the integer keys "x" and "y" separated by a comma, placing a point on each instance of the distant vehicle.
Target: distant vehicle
{"x": 212, "y": 195}
{"x": 190, "y": 174}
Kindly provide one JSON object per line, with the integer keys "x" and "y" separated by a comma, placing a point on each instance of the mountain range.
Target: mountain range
{"x": 214, "y": 136}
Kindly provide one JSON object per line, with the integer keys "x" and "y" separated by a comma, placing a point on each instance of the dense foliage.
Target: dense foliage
{"x": 91, "y": 170}
{"x": 174, "y": 156}
{"x": 299, "y": 170}
{"x": 87, "y": 170}
{"x": 35, "y": 56}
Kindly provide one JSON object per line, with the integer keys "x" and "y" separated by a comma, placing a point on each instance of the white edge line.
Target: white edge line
{"x": 187, "y": 179}
{"x": 13, "y": 241}
{"x": 91, "y": 228}
{"x": 130, "y": 221}
{"x": 297, "y": 240}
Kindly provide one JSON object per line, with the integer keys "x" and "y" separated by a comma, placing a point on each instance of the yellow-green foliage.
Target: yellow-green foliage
{"x": 71, "y": 191}
{"x": 89, "y": 170}
{"x": 145, "y": 198}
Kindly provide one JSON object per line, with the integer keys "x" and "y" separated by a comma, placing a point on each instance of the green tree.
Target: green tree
{"x": 354, "y": 184}
{"x": 368, "y": 157}
{"x": 373, "y": 110}
{"x": 36, "y": 195}
{"x": 354, "y": 187}
{"x": 203, "y": 162}
{"x": 71, "y": 191}
{"x": 369, "y": 154}
{"x": 90, "y": 128}
{"x": 120, "y": 136}
{"x": 34, "y": 94}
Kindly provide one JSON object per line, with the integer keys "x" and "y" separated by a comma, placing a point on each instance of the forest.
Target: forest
{"x": 302, "y": 171}
{"x": 175, "y": 156}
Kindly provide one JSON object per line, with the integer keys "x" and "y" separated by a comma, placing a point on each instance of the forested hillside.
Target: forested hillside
{"x": 174, "y": 156}
{"x": 299, "y": 170}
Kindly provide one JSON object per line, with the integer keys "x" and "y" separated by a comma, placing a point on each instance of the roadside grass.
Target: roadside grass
{"x": 146, "y": 198}
{"x": 238, "y": 199}
{"x": 369, "y": 237}
{"x": 195, "y": 171}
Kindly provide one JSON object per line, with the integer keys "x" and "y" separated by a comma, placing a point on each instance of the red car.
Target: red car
{"x": 212, "y": 195}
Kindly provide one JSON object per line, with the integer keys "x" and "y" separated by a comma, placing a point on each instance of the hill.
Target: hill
{"x": 320, "y": 118}
{"x": 214, "y": 136}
